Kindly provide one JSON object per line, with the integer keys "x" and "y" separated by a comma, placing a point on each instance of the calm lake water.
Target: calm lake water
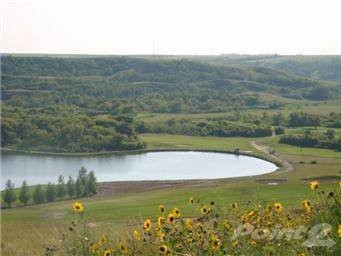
{"x": 37, "y": 169}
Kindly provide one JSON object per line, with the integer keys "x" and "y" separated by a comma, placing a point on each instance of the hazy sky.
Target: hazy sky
{"x": 171, "y": 26}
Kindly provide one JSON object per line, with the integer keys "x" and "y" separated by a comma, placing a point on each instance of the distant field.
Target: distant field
{"x": 193, "y": 142}
{"x": 319, "y": 108}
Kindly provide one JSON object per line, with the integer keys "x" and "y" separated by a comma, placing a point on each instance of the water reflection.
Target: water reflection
{"x": 147, "y": 166}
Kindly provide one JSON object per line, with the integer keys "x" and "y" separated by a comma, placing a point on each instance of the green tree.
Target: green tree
{"x": 38, "y": 195}
{"x": 61, "y": 187}
{"x": 330, "y": 134}
{"x": 9, "y": 196}
{"x": 70, "y": 187}
{"x": 80, "y": 184}
{"x": 24, "y": 195}
{"x": 50, "y": 192}
{"x": 91, "y": 184}
{"x": 79, "y": 188}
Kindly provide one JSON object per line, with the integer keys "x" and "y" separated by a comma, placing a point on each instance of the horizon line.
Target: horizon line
{"x": 168, "y": 54}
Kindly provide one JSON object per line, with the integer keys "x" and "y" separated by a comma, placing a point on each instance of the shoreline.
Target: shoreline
{"x": 142, "y": 151}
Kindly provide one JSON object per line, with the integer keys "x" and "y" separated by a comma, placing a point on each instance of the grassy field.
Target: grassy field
{"x": 38, "y": 226}
{"x": 192, "y": 142}
{"x": 318, "y": 108}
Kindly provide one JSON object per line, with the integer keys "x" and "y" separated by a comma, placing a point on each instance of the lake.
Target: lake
{"x": 173, "y": 165}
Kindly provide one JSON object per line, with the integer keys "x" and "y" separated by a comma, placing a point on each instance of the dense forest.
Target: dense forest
{"x": 85, "y": 104}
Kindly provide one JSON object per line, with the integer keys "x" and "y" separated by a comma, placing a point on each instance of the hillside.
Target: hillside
{"x": 118, "y": 84}
{"x": 86, "y": 104}
{"x": 315, "y": 67}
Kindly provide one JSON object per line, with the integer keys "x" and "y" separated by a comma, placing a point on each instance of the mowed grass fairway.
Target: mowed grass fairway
{"x": 38, "y": 226}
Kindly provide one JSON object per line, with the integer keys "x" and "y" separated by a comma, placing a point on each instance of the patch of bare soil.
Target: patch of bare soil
{"x": 120, "y": 187}
{"x": 324, "y": 178}
{"x": 271, "y": 181}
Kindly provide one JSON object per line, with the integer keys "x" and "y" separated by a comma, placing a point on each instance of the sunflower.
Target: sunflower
{"x": 176, "y": 212}
{"x": 269, "y": 208}
{"x": 123, "y": 248}
{"x": 108, "y": 252}
{"x": 161, "y": 208}
{"x": 147, "y": 225}
{"x": 160, "y": 221}
{"x": 314, "y": 185}
{"x": 189, "y": 240}
{"x": 171, "y": 218}
{"x": 278, "y": 207}
{"x": 227, "y": 225}
{"x": 164, "y": 249}
{"x": 216, "y": 243}
{"x": 161, "y": 236}
{"x": 306, "y": 204}
{"x": 78, "y": 207}
{"x": 191, "y": 200}
{"x": 94, "y": 248}
{"x": 137, "y": 235}
{"x": 102, "y": 241}
{"x": 188, "y": 223}
{"x": 339, "y": 230}
{"x": 204, "y": 210}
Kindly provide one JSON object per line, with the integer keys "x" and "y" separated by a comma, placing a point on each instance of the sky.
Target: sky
{"x": 193, "y": 27}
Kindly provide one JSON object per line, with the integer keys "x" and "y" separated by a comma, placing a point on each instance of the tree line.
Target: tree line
{"x": 207, "y": 128}
{"x": 65, "y": 129}
{"x": 309, "y": 139}
{"x": 84, "y": 185}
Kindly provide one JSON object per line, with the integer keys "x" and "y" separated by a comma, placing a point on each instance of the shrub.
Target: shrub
{"x": 279, "y": 130}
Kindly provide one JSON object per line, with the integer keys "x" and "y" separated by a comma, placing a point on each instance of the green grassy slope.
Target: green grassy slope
{"x": 40, "y": 225}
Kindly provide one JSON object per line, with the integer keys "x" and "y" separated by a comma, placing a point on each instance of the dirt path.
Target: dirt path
{"x": 286, "y": 166}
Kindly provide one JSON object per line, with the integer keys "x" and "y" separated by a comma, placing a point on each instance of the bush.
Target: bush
{"x": 326, "y": 140}
{"x": 279, "y": 130}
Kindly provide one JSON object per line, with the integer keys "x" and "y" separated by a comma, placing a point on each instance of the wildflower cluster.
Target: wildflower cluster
{"x": 266, "y": 228}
